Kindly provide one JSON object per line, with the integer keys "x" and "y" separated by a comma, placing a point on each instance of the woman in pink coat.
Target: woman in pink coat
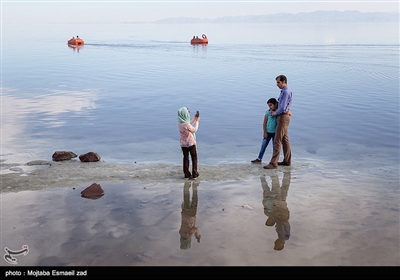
{"x": 187, "y": 129}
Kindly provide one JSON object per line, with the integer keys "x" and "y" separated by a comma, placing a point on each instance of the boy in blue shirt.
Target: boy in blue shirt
{"x": 269, "y": 128}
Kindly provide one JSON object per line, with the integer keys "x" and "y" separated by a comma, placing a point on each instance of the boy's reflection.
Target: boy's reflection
{"x": 189, "y": 210}
{"x": 275, "y": 207}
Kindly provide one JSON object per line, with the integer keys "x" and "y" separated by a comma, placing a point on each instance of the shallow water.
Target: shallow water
{"x": 336, "y": 218}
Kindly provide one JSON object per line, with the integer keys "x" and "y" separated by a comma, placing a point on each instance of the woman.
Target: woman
{"x": 187, "y": 134}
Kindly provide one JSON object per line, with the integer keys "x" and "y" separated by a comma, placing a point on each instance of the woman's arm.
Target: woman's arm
{"x": 194, "y": 127}
{"x": 195, "y": 119}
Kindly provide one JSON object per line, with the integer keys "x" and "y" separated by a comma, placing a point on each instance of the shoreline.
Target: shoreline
{"x": 73, "y": 173}
{"x": 45, "y": 174}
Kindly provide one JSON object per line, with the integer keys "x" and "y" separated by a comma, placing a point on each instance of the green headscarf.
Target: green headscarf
{"x": 185, "y": 243}
{"x": 183, "y": 115}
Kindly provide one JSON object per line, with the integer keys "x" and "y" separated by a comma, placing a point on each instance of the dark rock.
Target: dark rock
{"x": 63, "y": 155}
{"x": 94, "y": 191}
{"x": 38, "y": 162}
{"x": 90, "y": 157}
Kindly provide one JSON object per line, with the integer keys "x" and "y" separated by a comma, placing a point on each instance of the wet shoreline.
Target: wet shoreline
{"x": 71, "y": 173}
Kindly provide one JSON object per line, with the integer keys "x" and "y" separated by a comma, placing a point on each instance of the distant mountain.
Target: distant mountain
{"x": 317, "y": 16}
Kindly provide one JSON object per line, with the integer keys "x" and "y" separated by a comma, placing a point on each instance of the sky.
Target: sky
{"x": 91, "y": 11}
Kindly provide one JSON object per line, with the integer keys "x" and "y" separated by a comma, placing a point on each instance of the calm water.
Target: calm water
{"x": 337, "y": 218}
{"x": 119, "y": 95}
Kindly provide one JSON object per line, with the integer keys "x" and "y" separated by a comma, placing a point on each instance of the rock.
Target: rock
{"x": 63, "y": 155}
{"x": 94, "y": 191}
{"x": 90, "y": 157}
{"x": 17, "y": 169}
{"x": 38, "y": 162}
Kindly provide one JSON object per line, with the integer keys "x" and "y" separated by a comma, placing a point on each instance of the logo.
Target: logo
{"x": 10, "y": 253}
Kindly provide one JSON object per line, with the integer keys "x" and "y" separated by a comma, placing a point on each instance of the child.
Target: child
{"x": 187, "y": 131}
{"x": 188, "y": 214}
{"x": 269, "y": 128}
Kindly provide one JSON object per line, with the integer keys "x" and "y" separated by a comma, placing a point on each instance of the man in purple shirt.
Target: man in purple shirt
{"x": 283, "y": 119}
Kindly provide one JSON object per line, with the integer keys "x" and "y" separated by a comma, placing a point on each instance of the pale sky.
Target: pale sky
{"x": 91, "y": 11}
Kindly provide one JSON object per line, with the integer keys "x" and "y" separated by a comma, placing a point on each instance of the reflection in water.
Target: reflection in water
{"x": 275, "y": 207}
{"x": 189, "y": 210}
{"x": 199, "y": 47}
{"x": 75, "y": 47}
{"x": 24, "y": 113}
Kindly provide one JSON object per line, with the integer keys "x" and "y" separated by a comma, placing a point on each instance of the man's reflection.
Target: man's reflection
{"x": 189, "y": 210}
{"x": 275, "y": 207}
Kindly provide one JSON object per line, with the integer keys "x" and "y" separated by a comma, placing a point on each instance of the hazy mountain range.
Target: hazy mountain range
{"x": 317, "y": 16}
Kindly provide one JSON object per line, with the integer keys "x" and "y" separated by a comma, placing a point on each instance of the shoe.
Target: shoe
{"x": 195, "y": 178}
{"x": 284, "y": 163}
{"x": 257, "y": 160}
{"x": 270, "y": 166}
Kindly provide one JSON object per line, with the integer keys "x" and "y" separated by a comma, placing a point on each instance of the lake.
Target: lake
{"x": 121, "y": 92}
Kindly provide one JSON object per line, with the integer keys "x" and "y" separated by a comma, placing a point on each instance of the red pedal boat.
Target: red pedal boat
{"x": 197, "y": 40}
{"x": 75, "y": 41}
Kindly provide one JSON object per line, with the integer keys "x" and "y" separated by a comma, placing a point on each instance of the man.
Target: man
{"x": 283, "y": 119}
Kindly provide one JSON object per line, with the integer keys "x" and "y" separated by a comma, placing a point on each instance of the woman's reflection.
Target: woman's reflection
{"x": 189, "y": 210}
{"x": 275, "y": 207}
